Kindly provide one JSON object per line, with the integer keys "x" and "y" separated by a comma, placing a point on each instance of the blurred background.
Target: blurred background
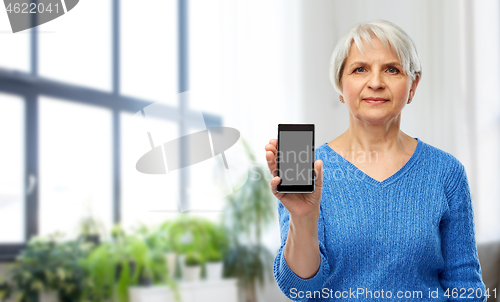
{"x": 69, "y": 89}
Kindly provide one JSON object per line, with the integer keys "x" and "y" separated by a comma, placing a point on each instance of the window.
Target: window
{"x": 147, "y": 50}
{"x": 73, "y": 50}
{"x": 142, "y": 194}
{"x": 68, "y": 109}
{"x": 12, "y": 201}
{"x": 17, "y": 55}
{"x": 75, "y": 165}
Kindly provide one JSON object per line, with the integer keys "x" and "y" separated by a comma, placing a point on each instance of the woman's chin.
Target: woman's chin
{"x": 375, "y": 117}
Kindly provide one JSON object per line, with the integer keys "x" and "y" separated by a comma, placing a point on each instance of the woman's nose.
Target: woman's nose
{"x": 376, "y": 81}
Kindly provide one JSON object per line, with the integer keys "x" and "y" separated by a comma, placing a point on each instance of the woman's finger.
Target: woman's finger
{"x": 271, "y": 147}
{"x": 274, "y": 142}
{"x": 274, "y": 187}
{"x": 318, "y": 174}
{"x": 274, "y": 184}
{"x": 271, "y": 162}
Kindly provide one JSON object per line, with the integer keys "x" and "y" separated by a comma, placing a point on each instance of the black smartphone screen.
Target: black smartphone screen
{"x": 295, "y": 158}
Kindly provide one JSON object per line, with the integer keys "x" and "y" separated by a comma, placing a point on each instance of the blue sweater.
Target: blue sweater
{"x": 408, "y": 238}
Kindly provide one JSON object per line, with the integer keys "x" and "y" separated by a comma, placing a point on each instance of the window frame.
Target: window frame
{"x": 31, "y": 86}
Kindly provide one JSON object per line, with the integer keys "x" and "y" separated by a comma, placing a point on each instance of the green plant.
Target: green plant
{"x": 249, "y": 263}
{"x": 101, "y": 264}
{"x": 188, "y": 234}
{"x": 217, "y": 243}
{"x": 48, "y": 264}
{"x": 116, "y": 265}
{"x": 247, "y": 213}
{"x": 5, "y": 290}
{"x": 213, "y": 255}
{"x": 90, "y": 230}
{"x": 80, "y": 271}
{"x": 125, "y": 261}
{"x": 132, "y": 257}
{"x": 193, "y": 259}
{"x": 157, "y": 238}
{"x": 158, "y": 243}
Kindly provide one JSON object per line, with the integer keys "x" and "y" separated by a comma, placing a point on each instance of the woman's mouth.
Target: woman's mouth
{"x": 375, "y": 101}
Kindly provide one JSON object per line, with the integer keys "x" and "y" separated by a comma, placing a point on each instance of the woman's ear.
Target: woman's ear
{"x": 414, "y": 85}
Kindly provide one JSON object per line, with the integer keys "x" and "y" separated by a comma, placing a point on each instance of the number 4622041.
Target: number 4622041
{"x": 32, "y": 8}
{"x": 469, "y": 293}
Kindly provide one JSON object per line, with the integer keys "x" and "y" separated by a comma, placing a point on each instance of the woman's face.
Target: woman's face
{"x": 374, "y": 87}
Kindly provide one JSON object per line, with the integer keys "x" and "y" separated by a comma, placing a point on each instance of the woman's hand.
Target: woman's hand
{"x": 299, "y": 205}
{"x": 301, "y": 250}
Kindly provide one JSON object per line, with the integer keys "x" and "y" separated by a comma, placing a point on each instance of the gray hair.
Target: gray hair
{"x": 389, "y": 34}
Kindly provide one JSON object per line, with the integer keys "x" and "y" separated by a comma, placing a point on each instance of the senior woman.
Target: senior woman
{"x": 391, "y": 216}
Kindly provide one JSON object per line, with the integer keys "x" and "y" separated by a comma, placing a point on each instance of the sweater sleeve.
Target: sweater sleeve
{"x": 461, "y": 273}
{"x": 289, "y": 283}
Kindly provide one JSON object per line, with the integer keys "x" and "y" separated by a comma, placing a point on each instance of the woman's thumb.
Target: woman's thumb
{"x": 318, "y": 173}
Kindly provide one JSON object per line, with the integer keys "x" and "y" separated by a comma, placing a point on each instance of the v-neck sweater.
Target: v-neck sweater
{"x": 410, "y": 233}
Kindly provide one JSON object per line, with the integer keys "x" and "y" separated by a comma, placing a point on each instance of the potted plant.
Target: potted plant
{"x": 90, "y": 230}
{"x": 5, "y": 290}
{"x": 192, "y": 270}
{"x": 156, "y": 265}
{"x": 170, "y": 261}
{"x": 154, "y": 272}
{"x": 157, "y": 239}
{"x": 101, "y": 264}
{"x": 50, "y": 268}
{"x": 126, "y": 261}
{"x": 214, "y": 265}
{"x": 216, "y": 251}
{"x": 116, "y": 265}
{"x": 187, "y": 235}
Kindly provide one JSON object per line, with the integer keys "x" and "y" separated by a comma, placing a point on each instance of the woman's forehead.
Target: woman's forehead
{"x": 371, "y": 49}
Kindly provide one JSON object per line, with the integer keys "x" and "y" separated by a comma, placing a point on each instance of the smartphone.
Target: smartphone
{"x": 295, "y": 158}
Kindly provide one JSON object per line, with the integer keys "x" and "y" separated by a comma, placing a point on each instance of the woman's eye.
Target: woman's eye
{"x": 359, "y": 69}
{"x": 393, "y": 70}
